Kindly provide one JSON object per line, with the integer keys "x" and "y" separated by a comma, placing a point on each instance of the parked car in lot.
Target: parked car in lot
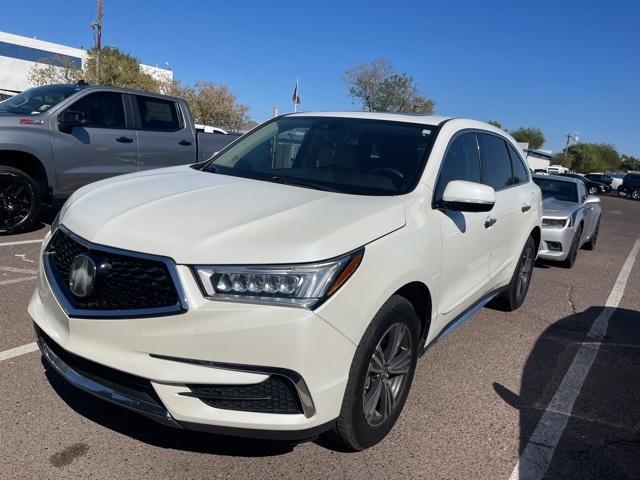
{"x": 570, "y": 220}
{"x": 593, "y": 187}
{"x": 630, "y": 185}
{"x": 56, "y": 138}
{"x": 616, "y": 181}
{"x": 289, "y": 285}
{"x": 600, "y": 177}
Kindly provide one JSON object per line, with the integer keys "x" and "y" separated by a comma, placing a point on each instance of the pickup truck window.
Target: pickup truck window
{"x": 37, "y": 100}
{"x": 348, "y": 155}
{"x": 158, "y": 114}
{"x": 101, "y": 109}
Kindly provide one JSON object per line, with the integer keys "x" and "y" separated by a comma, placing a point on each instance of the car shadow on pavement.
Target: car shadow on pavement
{"x": 602, "y": 436}
{"x": 145, "y": 430}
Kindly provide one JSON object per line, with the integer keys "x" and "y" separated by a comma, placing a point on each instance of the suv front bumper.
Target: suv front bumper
{"x": 213, "y": 343}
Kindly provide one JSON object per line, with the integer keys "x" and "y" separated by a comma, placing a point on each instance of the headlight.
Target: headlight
{"x": 554, "y": 222}
{"x": 302, "y": 285}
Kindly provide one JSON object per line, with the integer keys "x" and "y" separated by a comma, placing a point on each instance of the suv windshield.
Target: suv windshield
{"x": 37, "y": 100}
{"x": 558, "y": 189}
{"x": 347, "y": 155}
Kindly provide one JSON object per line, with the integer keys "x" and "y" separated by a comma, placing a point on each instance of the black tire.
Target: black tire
{"x": 353, "y": 430}
{"x": 635, "y": 194}
{"x": 593, "y": 190}
{"x": 591, "y": 244}
{"x": 516, "y": 292}
{"x": 573, "y": 251}
{"x": 20, "y": 200}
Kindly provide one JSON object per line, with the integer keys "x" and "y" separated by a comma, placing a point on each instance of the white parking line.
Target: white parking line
{"x": 537, "y": 455}
{"x": 17, "y": 280}
{"x": 19, "y": 270}
{"x": 21, "y": 242}
{"x": 16, "y": 352}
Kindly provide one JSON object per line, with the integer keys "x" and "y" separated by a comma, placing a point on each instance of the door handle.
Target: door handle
{"x": 525, "y": 208}
{"x": 184, "y": 143}
{"x": 489, "y": 222}
{"x": 124, "y": 140}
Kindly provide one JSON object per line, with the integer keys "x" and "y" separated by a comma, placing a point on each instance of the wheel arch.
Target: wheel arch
{"x": 418, "y": 294}
{"x": 29, "y": 164}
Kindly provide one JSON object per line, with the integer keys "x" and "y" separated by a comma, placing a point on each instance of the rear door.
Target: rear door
{"x": 104, "y": 147}
{"x": 467, "y": 242}
{"x": 513, "y": 200}
{"x": 164, "y": 137}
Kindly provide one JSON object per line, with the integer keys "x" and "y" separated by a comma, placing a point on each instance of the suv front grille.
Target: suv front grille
{"x": 126, "y": 283}
{"x": 274, "y": 395}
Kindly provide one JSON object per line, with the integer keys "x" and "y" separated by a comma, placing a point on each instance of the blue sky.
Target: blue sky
{"x": 557, "y": 65}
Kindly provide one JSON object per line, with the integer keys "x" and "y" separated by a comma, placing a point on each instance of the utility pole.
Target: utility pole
{"x": 569, "y": 137}
{"x": 96, "y": 26}
{"x": 99, "y": 26}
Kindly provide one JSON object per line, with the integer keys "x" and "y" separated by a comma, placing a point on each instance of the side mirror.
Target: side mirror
{"x": 71, "y": 118}
{"x": 592, "y": 199}
{"x": 468, "y": 196}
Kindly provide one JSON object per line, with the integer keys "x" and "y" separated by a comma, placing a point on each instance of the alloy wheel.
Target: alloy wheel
{"x": 387, "y": 375}
{"x": 635, "y": 195}
{"x": 525, "y": 272}
{"x": 16, "y": 201}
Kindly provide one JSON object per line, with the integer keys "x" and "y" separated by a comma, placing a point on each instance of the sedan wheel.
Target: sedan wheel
{"x": 593, "y": 190}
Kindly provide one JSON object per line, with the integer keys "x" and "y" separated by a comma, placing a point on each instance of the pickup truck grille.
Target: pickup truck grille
{"x": 127, "y": 284}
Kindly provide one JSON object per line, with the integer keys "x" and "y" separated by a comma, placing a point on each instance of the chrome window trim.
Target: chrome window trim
{"x": 180, "y": 308}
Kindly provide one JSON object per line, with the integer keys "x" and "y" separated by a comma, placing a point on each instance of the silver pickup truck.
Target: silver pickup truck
{"x": 56, "y": 138}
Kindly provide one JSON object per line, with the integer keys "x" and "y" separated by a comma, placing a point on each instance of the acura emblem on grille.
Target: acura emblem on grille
{"x": 82, "y": 276}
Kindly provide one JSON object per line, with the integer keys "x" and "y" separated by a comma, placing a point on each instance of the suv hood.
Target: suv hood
{"x": 196, "y": 217}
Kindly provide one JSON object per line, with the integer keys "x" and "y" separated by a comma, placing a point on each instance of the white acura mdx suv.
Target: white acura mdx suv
{"x": 288, "y": 285}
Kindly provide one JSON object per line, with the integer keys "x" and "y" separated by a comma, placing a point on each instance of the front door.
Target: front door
{"x": 101, "y": 148}
{"x": 467, "y": 238}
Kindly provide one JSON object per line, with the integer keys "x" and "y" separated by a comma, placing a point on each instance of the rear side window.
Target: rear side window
{"x": 496, "y": 163}
{"x": 520, "y": 172}
{"x": 461, "y": 162}
{"x": 101, "y": 109}
{"x": 158, "y": 114}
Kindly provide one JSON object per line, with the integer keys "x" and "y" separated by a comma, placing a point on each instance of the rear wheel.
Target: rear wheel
{"x": 573, "y": 251}
{"x": 593, "y": 190}
{"x": 516, "y": 292}
{"x": 19, "y": 200}
{"x": 380, "y": 376}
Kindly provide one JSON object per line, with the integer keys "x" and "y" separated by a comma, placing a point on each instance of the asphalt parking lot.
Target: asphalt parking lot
{"x": 552, "y": 389}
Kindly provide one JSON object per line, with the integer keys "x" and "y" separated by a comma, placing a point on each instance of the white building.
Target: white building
{"x": 18, "y": 55}
{"x": 537, "y": 159}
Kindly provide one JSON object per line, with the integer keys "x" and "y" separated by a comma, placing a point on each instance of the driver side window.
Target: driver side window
{"x": 461, "y": 162}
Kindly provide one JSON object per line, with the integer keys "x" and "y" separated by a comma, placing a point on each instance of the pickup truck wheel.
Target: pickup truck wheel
{"x": 516, "y": 292}
{"x": 380, "y": 376}
{"x": 19, "y": 200}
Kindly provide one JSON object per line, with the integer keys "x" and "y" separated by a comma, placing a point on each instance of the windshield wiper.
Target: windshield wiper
{"x": 302, "y": 183}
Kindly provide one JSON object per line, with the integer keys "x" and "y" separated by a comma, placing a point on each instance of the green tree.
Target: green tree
{"x": 61, "y": 70}
{"x": 564, "y": 159}
{"x": 213, "y": 104}
{"x": 594, "y": 157}
{"x": 533, "y": 136}
{"x": 495, "y": 123}
{"x": 629, "y": 162}
{"x": 378, "y": 88}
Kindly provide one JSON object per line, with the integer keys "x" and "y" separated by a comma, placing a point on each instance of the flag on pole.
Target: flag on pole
{"x": 295, "y": 99}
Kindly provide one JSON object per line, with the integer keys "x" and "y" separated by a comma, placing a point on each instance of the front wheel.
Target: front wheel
{"x": 593, "y": 190}
{"x": 516, "y": 292}
{"x": 19, "y": 200}
{"x": 380, "y": 376}
{"x": 635, "y": 194}
{"x": 573, "y": 251}
{"x": 591, "y": 244}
